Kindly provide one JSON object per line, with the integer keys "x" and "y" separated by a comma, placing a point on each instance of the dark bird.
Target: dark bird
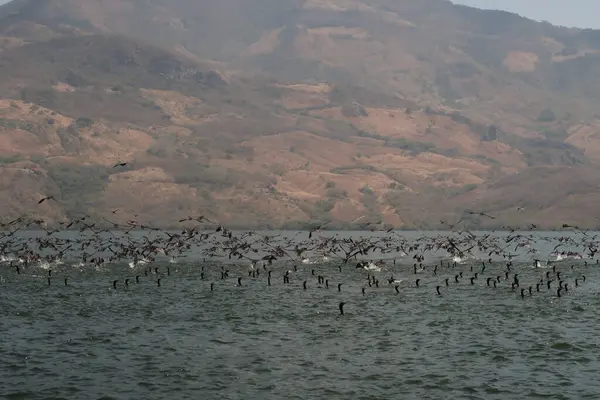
{"x": 48, "y": 198}
{"x": 121, "y": 164}
{"x": 342, "y": 308}
{"x": 481, "y": 214}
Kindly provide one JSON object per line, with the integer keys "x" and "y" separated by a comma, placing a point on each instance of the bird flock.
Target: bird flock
{"x": 376, "y": 262}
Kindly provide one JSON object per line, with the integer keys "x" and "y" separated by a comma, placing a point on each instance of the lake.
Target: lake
{"x": 180, "y": 340}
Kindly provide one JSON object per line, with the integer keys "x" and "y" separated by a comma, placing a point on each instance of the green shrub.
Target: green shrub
{"x": 325, "y": 205}
{"x": 469, "y": 187}
{"x": 84, "y": 122}
{"x": 278, "y": 169}
{"x": 366, "y": 190}
{"x": 396, "y": 186}
{"x": 334, "y": 193}
{"x": 546, "y": 115}
{"x": 5, "y": 160}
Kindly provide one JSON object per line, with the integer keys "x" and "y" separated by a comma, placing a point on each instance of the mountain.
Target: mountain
{"x": 284, "y": 113}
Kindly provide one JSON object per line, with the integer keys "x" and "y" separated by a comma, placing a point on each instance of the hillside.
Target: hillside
{"x": 291, "y": 112}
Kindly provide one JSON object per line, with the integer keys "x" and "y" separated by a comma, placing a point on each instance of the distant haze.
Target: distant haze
{"x": 572, "y": 13}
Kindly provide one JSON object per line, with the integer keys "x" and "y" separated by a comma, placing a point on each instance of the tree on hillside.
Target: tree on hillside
{"x": 547, "y": 115}
{"x": 492, "y": 132}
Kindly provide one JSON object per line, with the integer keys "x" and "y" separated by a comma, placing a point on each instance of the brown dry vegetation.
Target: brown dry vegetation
{"x": 279, "y": 112}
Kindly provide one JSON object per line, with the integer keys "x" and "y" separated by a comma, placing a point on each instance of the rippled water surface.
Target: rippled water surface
{"x": 182, "y": 341}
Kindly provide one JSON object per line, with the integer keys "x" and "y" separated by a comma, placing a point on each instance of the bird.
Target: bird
{"x": 482, "y": 214}
{"x": 48, "y": 198}
{"x": 121, "y": 164}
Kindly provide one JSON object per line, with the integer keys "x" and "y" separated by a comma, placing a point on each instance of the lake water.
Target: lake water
{"x": 182, "y": 341}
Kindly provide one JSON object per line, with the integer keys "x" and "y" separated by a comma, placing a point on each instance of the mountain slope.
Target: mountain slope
{"x": 294, "y": 111}
{"x": 492, "y": 62}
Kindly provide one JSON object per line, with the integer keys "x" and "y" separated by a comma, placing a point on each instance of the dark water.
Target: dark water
{"x": 182, "y": 341}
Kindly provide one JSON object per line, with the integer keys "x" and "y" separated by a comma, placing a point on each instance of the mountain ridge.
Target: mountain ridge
{"x": 402, "y": 113}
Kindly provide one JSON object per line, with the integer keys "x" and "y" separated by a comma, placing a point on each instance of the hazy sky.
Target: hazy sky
{"x": 579, "y": 13}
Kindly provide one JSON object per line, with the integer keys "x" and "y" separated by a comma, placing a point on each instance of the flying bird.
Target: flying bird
{"x": 48, "y": 198}
{"x": 482, "y": 214}
{"x": 122, "y": 164}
